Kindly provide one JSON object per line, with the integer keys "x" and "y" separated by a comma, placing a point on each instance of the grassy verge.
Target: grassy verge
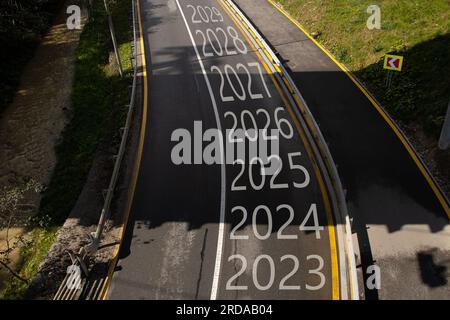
{"x": 418, "y": 30}
{"x": 40, "y": 239}
{"x": 98, "y": 100}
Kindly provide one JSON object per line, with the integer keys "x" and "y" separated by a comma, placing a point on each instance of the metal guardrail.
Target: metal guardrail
{"x": 334, "y": 183}
{"x": 79, "y": 259}
{"x": 96, "y": 237}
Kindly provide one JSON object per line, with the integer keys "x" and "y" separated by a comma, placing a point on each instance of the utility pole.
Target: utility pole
{"x": 113, "y": 38}
{"x": 444, "y": 140}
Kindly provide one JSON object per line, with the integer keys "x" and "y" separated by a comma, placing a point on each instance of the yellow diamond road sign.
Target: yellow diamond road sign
{"x": 392, "y": 62}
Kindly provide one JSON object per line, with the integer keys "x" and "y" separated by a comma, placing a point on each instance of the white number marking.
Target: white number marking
{"x": 316, "y": 227}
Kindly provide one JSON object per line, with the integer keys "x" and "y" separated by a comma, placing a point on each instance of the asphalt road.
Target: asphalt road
{"x": 207, "y": 231}
{"x": 400, "y": 218}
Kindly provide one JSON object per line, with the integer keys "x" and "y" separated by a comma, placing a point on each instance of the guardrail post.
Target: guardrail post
{"x": 444, "y": 140}
{"x": 113, "y": 38}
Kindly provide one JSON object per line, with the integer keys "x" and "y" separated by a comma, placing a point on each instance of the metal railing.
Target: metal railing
{"x": 105, "y": 213}
{"x": 322, "y": 153}
{"x": 79, "y": 259}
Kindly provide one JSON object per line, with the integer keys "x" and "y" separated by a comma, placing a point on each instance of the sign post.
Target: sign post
{"x": 444, "y": 140}
{"x": 113, "y": 38}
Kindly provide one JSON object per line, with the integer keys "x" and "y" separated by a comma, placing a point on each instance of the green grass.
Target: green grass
{"x": 418, "y": 30}
{"x": 41, "y": 239}
{"x": 99, "y": 96}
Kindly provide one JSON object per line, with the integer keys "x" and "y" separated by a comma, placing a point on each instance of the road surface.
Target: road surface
{"x": 224, "y": 230}
{"x": 400, "y": 217}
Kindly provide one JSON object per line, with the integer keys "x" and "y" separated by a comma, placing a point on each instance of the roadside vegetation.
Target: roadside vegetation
{"x": 418, "y": 30}
{"x": 98, "y": 99}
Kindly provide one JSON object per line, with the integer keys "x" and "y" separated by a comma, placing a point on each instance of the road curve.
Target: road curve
{"x": 400, "y": 217}
{"x": 220, "y": 231}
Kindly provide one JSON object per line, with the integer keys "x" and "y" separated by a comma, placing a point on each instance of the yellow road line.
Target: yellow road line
{"x": 393, "y": 126}
{"x": 137, "y": 164}
{"x": 330, "y": 220}
{"x": 329, "y": 215}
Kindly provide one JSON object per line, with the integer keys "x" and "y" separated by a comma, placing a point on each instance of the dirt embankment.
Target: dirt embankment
{"x": 32, "y": 124}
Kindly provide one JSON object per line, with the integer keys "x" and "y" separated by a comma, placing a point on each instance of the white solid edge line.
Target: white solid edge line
{"x": 220, "y": 236}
